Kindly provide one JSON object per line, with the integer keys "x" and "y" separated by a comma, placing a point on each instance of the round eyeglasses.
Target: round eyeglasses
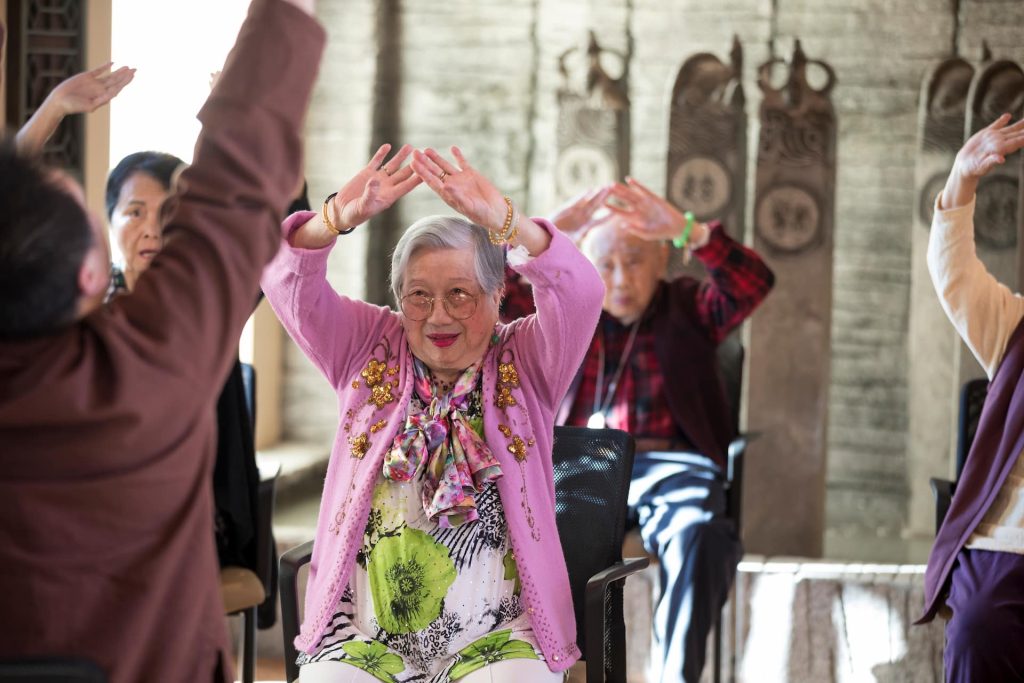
{"x": 459, "y": 304}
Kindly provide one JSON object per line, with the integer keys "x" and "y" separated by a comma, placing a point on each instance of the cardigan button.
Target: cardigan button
{"x": 555, "y": 658}
{"x": 529, "y": 611}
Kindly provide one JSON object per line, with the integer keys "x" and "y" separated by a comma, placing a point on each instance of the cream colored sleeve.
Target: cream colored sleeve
{"x": 984, "y": 311}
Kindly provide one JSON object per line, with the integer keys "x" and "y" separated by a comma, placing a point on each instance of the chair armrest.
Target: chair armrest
{"x": 291, "y": 562}
{"x": 593, "y": 612}
{"x": 943, "y": 490}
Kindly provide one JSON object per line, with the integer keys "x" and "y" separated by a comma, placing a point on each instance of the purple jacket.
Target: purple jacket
{"x": 997, "y": 443}
{"x": 362, "y": 351}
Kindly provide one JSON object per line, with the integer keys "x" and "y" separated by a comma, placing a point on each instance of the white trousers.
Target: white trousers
{"x": 509, "y": 671}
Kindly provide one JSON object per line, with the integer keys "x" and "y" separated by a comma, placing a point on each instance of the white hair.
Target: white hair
{"x": 449, "y": 232}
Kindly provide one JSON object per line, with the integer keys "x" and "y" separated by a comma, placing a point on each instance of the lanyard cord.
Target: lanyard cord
{"x": 602, "y": 401}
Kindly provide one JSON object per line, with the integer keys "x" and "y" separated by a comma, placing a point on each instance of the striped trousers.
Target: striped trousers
{"x": 678, "y": 502}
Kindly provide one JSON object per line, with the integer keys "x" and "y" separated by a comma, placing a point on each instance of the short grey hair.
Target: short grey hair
{"x": 449, "y": 232}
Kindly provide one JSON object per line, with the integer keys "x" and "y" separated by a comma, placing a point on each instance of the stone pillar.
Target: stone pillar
{"x": 790, "y": 336}
{"x": 932, "y": 341}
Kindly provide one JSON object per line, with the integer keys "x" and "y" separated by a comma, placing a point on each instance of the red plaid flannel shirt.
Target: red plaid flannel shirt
{"x": 738, "y": 280}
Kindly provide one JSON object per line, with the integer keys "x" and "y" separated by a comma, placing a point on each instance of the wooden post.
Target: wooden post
{"x": 932, "y": 341}
{"x": 790, "y": 336}
{"x": 593, "y": 126}
{"x": 707, "y": 133}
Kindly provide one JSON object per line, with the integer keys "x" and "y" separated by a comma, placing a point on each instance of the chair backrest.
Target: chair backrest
{"x": 592, "y": 469}
{"x": 972, "y": 400}
{"x": 249, "y": 383}
{"x": 50, "y": 670}
{"x": 730, "y": 368}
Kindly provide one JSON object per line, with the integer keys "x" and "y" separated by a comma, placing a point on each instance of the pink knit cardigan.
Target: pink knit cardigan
{"x": 362, "y": 351}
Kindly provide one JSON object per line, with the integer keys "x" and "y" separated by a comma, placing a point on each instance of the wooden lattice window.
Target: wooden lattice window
{"x": 45, "y": 46}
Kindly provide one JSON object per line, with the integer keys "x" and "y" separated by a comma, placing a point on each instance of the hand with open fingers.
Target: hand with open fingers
{"x": 375, "y": 188}
{"x": 461, "y": 187}
{"x": 647, "y": 215}
{"x": 583, "y": 212}
{"x": 88, "y": 91}
{"x": 989, "y": 147}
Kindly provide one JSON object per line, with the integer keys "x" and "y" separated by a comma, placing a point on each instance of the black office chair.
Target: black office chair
{"x": 972, "y": 400}
{"x": 592, "y": 470}
{"x": 50, "y": 670}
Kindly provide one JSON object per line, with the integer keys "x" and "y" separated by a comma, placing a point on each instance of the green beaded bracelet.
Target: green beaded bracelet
{"x": 684, "y": 239}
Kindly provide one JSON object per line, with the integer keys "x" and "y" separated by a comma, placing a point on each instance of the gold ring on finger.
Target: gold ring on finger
{"x": 442, "y": 176}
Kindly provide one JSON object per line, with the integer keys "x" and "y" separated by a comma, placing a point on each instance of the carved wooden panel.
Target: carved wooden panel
{"x": 997, "y": 87}
{"x": 707, "y": 151}
{"x": 932, "y": 342}
{"x": 790, "y": 336}
{"x": 593, "y": 126}
{"x": 45, "y": 47}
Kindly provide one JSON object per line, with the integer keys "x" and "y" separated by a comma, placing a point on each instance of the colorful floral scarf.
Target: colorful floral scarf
{"x": 439, "y": 443}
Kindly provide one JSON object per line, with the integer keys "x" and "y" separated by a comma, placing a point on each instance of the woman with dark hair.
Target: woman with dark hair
{"x": 136, "y": 190}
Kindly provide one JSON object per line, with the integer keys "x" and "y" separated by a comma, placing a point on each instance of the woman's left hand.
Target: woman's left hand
{"x": 651, "y": 217}
{"x": 467, "y": 191}
{"x": 461, "y": 187}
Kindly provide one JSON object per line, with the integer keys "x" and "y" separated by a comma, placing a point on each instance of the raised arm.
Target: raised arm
{"x": 567, "y": 290}
{"x": 80, "y": 94}
{"x": 330, "y": 328}
{"x": 984, "y": 312}
{"x": 200, "y": 289}
{"x": 738, "y": 278}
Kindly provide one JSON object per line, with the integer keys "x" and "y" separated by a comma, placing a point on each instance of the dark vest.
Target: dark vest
{"x": 687, "y": 358}
{"x": 998, "y": 442}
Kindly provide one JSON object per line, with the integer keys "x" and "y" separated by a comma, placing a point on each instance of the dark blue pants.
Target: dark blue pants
{"x": 985, "y": 636}
{"x": 678, "y": 502}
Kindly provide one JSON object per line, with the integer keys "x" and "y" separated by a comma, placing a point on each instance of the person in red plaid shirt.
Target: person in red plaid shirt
{"x": 652, "y": 371}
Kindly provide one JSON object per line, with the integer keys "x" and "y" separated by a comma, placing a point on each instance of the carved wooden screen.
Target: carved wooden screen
{"x": 932, "y": 342}
{"x": 790, "y": 338}
{"x": 45, "y": 46}
{"x": 707, "y": 152}
{"x": 593, "y": 126}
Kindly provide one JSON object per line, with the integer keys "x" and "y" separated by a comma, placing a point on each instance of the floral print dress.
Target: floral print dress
{"x": 430, "y": 602}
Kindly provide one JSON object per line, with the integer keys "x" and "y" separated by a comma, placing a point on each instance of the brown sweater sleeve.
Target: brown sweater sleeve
{"x": 189, "y": 307}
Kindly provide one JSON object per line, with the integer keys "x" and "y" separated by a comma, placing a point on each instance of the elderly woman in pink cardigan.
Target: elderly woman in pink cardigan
{"x": 436, "y": 557}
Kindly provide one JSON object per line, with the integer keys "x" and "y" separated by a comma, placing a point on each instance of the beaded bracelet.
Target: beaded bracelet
{"x": 327, "y": 220}
{"x": 683, "y": 240}
{"x": 509, "y": 230}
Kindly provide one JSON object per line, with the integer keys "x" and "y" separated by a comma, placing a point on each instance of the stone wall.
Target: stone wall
{"x": 482, "y": 74}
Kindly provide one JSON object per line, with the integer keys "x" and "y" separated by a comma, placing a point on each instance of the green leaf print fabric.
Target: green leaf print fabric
{"x": 496, "y": 647}
{"x": 374, "y": 659}
{"x": 409, "y": 577}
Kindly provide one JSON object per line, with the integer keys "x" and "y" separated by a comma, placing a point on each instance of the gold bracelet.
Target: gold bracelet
{"x": 502, "y": 237}
{"x": 327, "y": 219}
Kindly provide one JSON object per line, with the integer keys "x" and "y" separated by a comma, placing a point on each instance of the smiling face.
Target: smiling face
{"x": 448, "y": 346}
{"x": 135, "y": 221}
{"x": 630, "y": 267}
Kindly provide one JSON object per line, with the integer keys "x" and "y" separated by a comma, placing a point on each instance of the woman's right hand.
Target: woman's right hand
{"x": 985, "y": 150}
{"x": 375, "y": 188}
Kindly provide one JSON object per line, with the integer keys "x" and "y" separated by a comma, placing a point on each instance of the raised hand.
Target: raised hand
{"x": 375, "y": 188}
{"x": 461, "y": 187}
{"x": 88, "y": 91}
{"x": 82, "y": 93}
{"x": 467, "y": 191}
{"x": 649, "y": 216}
{"x": 583, "y": 212}
{"x": 990, "y": 146}
{"x": 985, "y": 150}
